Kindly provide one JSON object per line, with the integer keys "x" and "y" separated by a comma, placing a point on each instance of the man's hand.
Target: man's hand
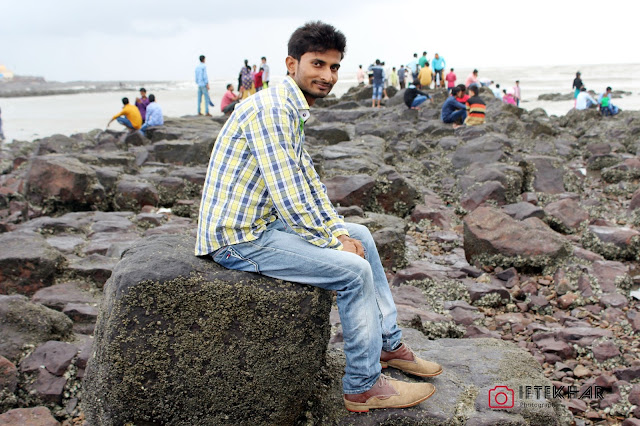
{"x": 351, "y": 245}
{"x": 207, "y": 86}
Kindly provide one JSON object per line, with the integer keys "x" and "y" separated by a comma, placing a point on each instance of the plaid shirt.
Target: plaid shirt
{"x": 259, "y": 171}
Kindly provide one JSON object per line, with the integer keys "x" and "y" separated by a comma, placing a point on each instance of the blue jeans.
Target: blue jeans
{"x": 367, "y": 311}
{"x": 458, "y": 116}
{"x": 418, "y": 100}
{"x": 124, "y": 121}
{"x": 377, "y": 91}
{"x": 202, "y": 91}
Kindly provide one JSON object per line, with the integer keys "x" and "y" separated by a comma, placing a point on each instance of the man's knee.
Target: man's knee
{"x": 359, "y": 232}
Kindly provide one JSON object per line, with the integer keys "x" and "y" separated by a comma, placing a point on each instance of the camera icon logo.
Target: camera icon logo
{"x": 501, "y": 397}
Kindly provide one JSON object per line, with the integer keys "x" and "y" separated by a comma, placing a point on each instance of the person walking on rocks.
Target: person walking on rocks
{"x": 402, "y": 75}
{"x": 378, "y": 83}
{"x": 451, "y": 80}
{"x": 438, "y": 63}
{"x": 414, "y": 67}
{"x": 265, "y": 210}
{"x": 129, "y": 116}
{"x": 516, "y": 92}
{"x": 266, "y": 75}
{"x": 453, "y": 112}
{"x": 202, "y": 80}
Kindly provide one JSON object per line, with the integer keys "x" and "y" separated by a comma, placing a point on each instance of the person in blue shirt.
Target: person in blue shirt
{"x": 202, "y": 80}
{"x": 414, "y": 66}
{"x": 438, "y": 63}
{"x": 453, "y": 111}
{"x": 606, "y": 107}
{"x": 153, "y": 115}
{"x": 378, "y": 83}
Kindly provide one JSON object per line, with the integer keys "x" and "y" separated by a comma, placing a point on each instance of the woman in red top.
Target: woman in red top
{"x": 257, "y": 79}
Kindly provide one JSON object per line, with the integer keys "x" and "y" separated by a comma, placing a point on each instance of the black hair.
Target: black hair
{"x": 583, "y": 89}
{"x": 497, "y": 85}
{"x": 455, "y": 91}
{"x": 377, "y": 61}
{"x": 316, "y": 36}
{"x": 152, "y": 98}
{"x": 462, "y": 87}
{"x": 246, "y": 62}
{"x": 125, "y": 101}
{"x": 229, "y": 85}
{"x": 473, "y": 88}
{"x": 609, "y": 88}
{"x": 475, "y": 71}
{"x": 451, "y": 69}
{"x": 415, "y": 55}
{"x": 263, "y": 58}
{"x": 424, "y": 53}
{"x": 201, "y": 58}
{"x": 142, "y": 89}
{"x": 426, "y": 63}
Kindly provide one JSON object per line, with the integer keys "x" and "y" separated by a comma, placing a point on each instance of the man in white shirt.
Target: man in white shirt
{"x": 265, "y": 73}
{"x": 584, "y": 100}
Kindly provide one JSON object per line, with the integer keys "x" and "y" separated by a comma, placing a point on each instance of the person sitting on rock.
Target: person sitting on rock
{"x": 129, "y": 116}
{"x": 264, "y": 210}
{"x": 584, "y": 100}
{"x": 508, "y": 98}
{"x": 604, "y": 101}
{"x": 229, "y": 100}
{"x": 154, "y": 115}
{"x": 413, "y": 97}
{"x": 476, "y": 108}
{"x": 452, "y": 110}
{"x": 142, "y": 103}
{"x": 463, "y": 96}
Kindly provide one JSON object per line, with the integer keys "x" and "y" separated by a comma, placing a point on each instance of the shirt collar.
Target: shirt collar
{"x": 298, "y": 98}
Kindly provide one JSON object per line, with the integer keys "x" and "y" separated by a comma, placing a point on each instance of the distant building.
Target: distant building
{"x": 5, "y": 74}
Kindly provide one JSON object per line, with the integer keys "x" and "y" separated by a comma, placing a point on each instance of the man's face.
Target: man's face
{"x": 437, "y": 57}
{"x": 315, "y": 73}
{"x": 143, "y": 94}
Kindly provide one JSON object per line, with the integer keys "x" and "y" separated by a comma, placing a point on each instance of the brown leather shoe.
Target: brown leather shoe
{"x": 404, "y": 359}
{"x": 389, "y": 393}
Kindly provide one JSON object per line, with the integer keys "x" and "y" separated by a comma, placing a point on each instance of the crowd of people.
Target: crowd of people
{"x": 583, "y": 100}
{"x": 139, "y": 117}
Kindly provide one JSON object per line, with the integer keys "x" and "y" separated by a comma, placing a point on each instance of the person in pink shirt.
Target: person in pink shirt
{"x": 451, "y": 80}
{"x": 472, "y": 79}
{"x": 508, "y": 98}
{"x": 516, "y": 92}
{"x": 229, "y": 100}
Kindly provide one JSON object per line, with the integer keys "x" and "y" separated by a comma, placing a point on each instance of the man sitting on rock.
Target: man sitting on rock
{"x": 452, "y": 110}
{"x": 265, "y": 210}
{"x": 154, "y": 115}
{"x": 476, "y": 108}
{"x": 129, "y": 117}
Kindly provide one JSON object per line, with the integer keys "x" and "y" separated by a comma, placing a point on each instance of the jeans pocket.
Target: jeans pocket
{"x": 230, "y": 258}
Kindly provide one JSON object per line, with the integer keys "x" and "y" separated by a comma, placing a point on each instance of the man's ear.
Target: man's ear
{"x": 292, "y": 64}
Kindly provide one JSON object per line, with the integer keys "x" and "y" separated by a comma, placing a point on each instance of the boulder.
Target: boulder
{"x": 565, "y": 215}
{"x": 53, "y": 356}
{"x": 207, "y": 342}
{"x": 25, "y": 323}
{"x": 132, "y": 193}
{"x": 27, "y": 263}
{"x": 493, "y": 238}
{"x": 8, "y": 376}
{"x": 523, "y": 210}
{"x": 351, "y": 190}
{"x": 613, "y": 243}
{"x": 57, "y": 296}
{"x": 36, "y": 416}
{"x": 328, "y": 133}
{"x": 183, "y": 152}
{"x": 61, "y": 181}
{"x": 478, "y": 195}
{"x": 635, "y": 201}
{"x": 548, "y": 174}
{"x": 485, "y": 149}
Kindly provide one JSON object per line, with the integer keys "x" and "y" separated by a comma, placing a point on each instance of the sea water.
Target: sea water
{"x": 29, "y": 118}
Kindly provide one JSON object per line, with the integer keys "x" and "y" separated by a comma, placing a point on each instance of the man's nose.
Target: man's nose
{"x": 327, "y": 74}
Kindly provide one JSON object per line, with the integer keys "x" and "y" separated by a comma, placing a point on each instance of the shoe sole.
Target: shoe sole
{"x": 386, "y": 365}
{"x": 412, "y": 404}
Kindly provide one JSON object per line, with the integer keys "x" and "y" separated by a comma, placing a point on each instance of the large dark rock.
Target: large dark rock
{"x": 548, "y": 174}
{"x": 181, "y": 340}
{"x": 27, "y": 263}
{"x": 36, "y": 416}
{"x": 351, "y": 190}
{"x": 565, "y": 215}
{"x": 64, "y": 182}
{"x": 493, "y": 238}
{"x": 25, "y": 323}
{"x": 484, "y": 149}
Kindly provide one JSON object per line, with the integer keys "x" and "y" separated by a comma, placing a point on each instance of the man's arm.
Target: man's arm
{"x": 271, "y": 137}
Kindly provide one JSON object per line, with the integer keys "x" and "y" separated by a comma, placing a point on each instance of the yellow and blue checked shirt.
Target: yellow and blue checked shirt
{"x": 259, "y": 171}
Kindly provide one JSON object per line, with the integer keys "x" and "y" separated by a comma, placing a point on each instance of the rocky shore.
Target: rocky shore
{"x": 512, "y": 249}
{"x": 38, "y": 86}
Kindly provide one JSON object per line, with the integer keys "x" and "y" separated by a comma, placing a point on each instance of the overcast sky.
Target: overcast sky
{"x": 69, "y": 40}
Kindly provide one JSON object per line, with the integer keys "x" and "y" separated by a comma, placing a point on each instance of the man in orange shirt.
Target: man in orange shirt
{"x": 129, "y": 116}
